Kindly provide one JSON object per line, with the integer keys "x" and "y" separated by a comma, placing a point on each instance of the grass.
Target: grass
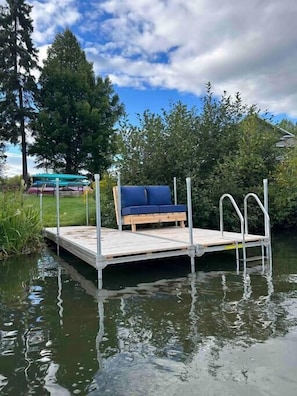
{"x": 73, "y": 210}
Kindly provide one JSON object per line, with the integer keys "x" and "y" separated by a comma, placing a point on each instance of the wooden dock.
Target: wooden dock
{"x": 126, "y": 246}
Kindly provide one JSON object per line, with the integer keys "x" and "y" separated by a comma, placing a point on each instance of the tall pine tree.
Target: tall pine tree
{"x": 74, "y": 130}
{"x": 18, "y": 60}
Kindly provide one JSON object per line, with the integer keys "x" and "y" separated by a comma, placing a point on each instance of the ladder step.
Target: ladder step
{"x": 255, "y": 258}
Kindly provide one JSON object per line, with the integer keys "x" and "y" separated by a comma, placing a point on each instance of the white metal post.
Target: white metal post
{"x": 58, "y": 213}
{"x": 40, "y": 206}
{"x": 119, "y": 206}
{"x": 267, "y": 225}
{"x": 87, "y": 206}
{"x": 189, "y": 202}
{"x": 190, "y": 223}
{"x": 265, "y": 190}
{"x": 98, "y": 230}
{"x": 175, "y": 191}
{"x": 175, "y": 194}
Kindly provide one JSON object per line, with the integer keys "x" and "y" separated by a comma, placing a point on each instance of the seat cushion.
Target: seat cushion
{"x": 158, "y": 195}
{"x": 172, "y": 208}
{"x": 142, "y": 209}
{"x": 133, "y": 196}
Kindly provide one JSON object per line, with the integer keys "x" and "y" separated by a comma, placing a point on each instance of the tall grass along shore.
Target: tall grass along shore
{"x": 20, "y": 226}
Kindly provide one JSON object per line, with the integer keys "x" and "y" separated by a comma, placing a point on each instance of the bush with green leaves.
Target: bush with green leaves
{"x": 225, "y": 147}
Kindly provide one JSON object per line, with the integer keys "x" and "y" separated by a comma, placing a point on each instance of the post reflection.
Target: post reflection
{"x": 100, "y": 333}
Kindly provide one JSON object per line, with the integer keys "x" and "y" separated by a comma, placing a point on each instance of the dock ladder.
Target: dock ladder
{"x": 264, "y": 242}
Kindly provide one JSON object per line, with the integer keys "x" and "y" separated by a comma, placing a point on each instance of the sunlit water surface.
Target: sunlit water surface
{"x": 155, "y": 329}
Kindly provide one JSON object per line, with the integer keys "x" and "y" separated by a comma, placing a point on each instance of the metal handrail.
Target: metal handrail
{"x": 241, "y": 218}
{"x": 266, "y": 215}
{"x": 266, "y": 222}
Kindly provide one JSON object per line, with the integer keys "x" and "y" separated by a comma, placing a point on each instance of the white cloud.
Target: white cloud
{"x": 13, "y": 165}
{"x": 50, "y": 16}
{"x": 245, "y": 46}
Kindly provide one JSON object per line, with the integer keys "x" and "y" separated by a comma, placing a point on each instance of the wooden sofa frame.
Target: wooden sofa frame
{"x": 146, "y": 218}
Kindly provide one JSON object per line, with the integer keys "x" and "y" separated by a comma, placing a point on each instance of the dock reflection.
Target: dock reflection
{"x": 175, "y": 317}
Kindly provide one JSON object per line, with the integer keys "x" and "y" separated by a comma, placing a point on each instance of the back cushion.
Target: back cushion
{"x": 158, "y": 195}
{"x": 133, "y": 196}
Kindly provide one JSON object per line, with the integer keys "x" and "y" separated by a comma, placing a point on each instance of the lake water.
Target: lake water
{"x": 155, "y": 329}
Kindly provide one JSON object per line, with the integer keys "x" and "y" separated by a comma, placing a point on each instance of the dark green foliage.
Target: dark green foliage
{"x": 283, "y": 182}
{"x": 108, "y": 217}
{"x": 75, "y": 126}
{"x": 244, "y": 171}
{"x": 289, "y": 126}
{"x": 284, "y": 190}
{"x": 225, "y": 148}
{"x": 158, "y": 149}
{"x": 2, "y": 157}
{"x": 17, "y": 83}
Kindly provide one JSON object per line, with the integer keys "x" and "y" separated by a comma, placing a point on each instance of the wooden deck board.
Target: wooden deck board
{"x": 132, "y": 246}
{"x": 114, "y": 242}
{"x": 201, "y": 236}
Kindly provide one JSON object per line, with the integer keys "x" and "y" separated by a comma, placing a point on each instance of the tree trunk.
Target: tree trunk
{"x": 23, "y": 139}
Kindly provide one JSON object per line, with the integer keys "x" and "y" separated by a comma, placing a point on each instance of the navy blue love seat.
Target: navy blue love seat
{"x": 147, "y": 204}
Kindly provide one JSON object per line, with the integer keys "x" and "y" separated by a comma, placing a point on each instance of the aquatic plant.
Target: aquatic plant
{"x": 20, "y": 226}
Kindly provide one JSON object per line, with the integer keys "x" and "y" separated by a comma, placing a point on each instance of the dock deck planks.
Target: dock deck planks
{"x": 126, "y": 246}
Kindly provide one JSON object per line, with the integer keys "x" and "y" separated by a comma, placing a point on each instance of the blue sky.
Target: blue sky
{"x": 157, "y": 51}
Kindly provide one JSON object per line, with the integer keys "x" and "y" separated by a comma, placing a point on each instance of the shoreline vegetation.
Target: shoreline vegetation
{"x": 20, "y": 226}
{"x": 22, "y": 218}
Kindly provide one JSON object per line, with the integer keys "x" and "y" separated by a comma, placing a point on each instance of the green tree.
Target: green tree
{"x": 243, "y": 171}
{"x": 17, "y": 83}
{"x": 2, "y": 158}
{"x": 217, "y": 139}
{"x": 218, "y": 130}
{"x": 289, "y": 126}
{"x": 160, "y": 147}
{"x": 74, "y": 129}
{"x": 283, "y": 189}
{"x": 224, "y": 148}
{"x": 180, "y": 142}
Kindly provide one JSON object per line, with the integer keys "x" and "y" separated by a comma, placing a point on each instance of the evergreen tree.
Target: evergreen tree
{"x": 17, "y": 84}
{"x": 74, "y": 130}
{"x": 2, "y": 158}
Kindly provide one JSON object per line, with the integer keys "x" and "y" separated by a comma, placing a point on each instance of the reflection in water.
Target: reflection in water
{"x": 211, "y": 327}
{"x": 50, "y": 381}
{"x": 100, "y": 334}
{"x": 59, "y": 297}
{"x": 156, "y": 330}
